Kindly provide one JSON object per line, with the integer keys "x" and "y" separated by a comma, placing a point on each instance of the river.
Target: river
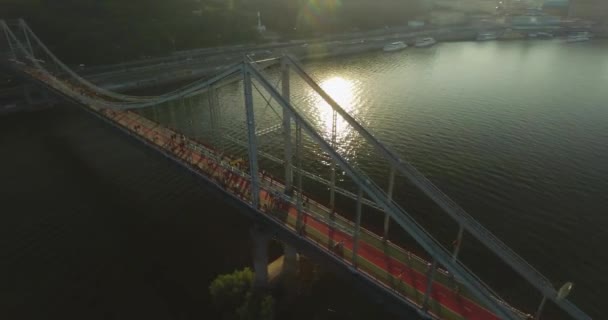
{"x": 515, "y": 132}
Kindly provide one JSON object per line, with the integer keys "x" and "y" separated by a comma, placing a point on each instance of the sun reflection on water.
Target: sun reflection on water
{"x": 343, "y": 92}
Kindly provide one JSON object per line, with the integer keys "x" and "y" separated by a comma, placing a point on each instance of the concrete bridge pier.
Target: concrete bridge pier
{"x": 289, "y": 275}
{"x": 261, "y": 240}
{"x": 290, "y": 262}
{"x": 284, "y": 269}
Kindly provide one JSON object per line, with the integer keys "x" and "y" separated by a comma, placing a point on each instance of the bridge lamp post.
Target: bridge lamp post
{"x": 562, "y": 293}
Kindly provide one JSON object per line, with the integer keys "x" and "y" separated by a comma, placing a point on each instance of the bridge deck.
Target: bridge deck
{"x": 385, "y": 263}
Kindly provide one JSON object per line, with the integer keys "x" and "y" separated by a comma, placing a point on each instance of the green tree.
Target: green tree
{"x": 232, "y": 294}
{"x": 229, "y": 291}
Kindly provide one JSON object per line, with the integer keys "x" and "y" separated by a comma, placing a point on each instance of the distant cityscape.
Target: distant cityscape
{"x": 531, "y": 12}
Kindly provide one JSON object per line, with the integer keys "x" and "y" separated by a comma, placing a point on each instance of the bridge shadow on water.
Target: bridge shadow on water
{"x": 96, "y": 226}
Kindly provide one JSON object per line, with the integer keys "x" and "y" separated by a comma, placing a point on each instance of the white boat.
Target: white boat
{"x": 486, "y": 36}
{"x": 425, "y": 42}
{"x": 395, "y": 46}
{"x": 540, "y": 35}
{"x": 579, "y": 36}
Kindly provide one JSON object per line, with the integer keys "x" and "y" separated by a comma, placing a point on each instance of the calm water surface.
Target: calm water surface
{"x": 515, "y": 132}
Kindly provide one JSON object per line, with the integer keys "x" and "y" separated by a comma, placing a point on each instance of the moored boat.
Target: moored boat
{"x": 487, "y": 36}
{"x": 425, "y": 42}
{"x": 395, "y": 46}
{"x": 578, "y": 37}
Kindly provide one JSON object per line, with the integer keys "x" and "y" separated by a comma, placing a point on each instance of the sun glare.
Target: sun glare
{"x": 342, "y": 91}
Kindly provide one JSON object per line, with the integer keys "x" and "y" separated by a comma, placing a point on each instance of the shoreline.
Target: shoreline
{"x": 188, "y": 69}
{"x": 342, "y": 51}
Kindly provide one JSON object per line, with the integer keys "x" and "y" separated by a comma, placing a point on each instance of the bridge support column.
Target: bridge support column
{"x": 27, "y": 38}
{"x": 387, "y": 218}
{"x": 300, "y": 204}
{"x": 253, "y": 150}
{"x": 9, "y": 39}
{"x": 260, "y": 257}
{"x": 332, "y": 181}
{"x": 332, "y": 186}
{"x": 357, "y": 230}
{"x": 458, "y": 242}
{"x": 285, "y": 87}
{"x": 215, "y": 117}
{"x": 290, "y": 271}
{"x": 290, "y": 262}
{"x": 429, "y": 285}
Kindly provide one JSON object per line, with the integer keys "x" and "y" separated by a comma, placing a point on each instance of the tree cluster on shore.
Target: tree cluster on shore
{"x": 233, "y": 296}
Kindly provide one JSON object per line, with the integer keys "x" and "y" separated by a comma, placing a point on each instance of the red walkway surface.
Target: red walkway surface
{"x": 176, "y": 144}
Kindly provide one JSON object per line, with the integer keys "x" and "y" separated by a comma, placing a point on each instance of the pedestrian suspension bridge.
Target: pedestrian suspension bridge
{"x": 269, "y": 152}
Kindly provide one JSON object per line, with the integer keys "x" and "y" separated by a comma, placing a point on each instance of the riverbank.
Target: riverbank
{"x": 190, "y": 68}
{"x": 359, "y": 46}
{"x": 323, "y": 50}
{"x": 192, "y": 65}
